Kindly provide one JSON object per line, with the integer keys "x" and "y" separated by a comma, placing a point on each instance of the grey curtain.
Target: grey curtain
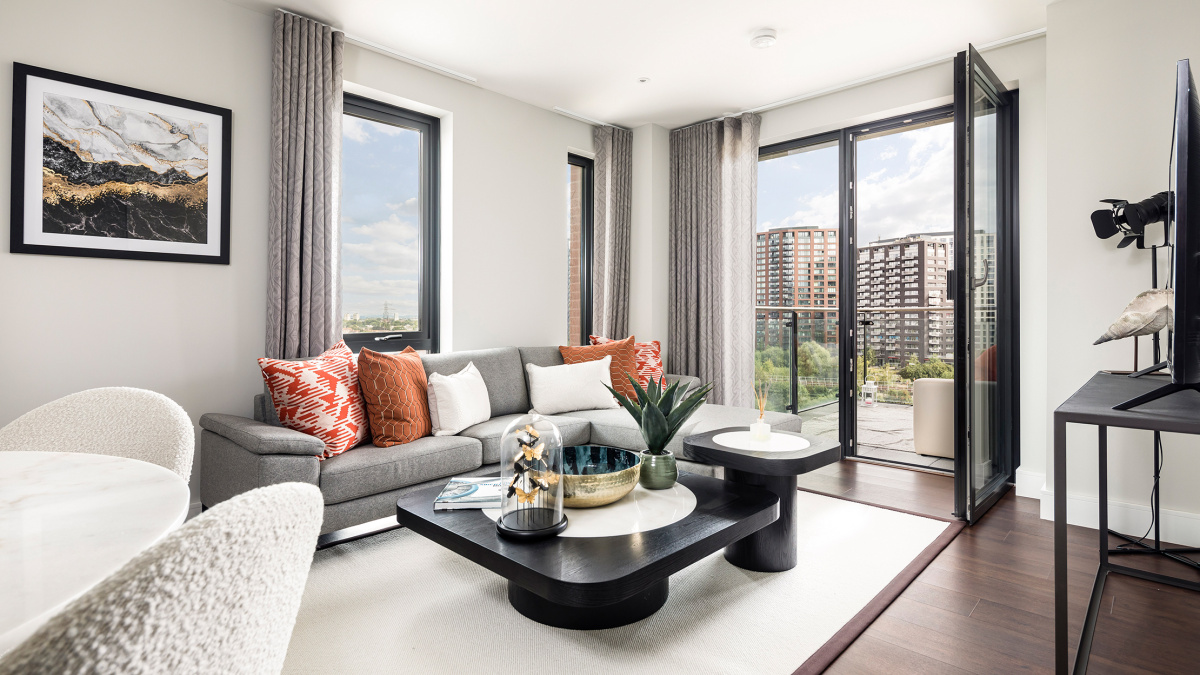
{"x": 714, "y": 179}
{"x": 304, "y": 284}
{"x": 613, "y": 213}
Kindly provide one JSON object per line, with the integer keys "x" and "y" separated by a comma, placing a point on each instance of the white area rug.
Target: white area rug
{"x": 398, "y": 603}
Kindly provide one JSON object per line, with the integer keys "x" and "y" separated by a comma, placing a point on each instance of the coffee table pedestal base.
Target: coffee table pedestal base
{"x": 773, "y": 548}
{"x": 621, "y": 613}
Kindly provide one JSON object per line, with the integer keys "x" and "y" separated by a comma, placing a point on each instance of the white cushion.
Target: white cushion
{"x": 458, "y": 401}
{"x": 575, "y": 386}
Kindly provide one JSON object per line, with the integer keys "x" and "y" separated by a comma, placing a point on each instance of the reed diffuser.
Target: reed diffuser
{"x": 760, "y": 430}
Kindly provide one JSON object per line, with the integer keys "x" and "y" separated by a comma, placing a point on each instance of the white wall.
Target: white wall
{"x": 192, "y": 331}
{"x": 1020, "y": 65}
{"x": 189, "y": 331}
{"x": 1111, "y": 83}
{"x": 649, "y": 246}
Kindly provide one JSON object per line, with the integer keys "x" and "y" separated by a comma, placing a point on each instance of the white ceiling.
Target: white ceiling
{"x": 587, "y": 56}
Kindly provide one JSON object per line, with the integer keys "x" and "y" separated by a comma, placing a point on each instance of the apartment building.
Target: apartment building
{"x": 796, "y": 267}
{"x": 901, "y": 288}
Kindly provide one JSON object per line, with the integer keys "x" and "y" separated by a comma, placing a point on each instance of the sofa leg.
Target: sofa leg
{"x": 356, "y": 532}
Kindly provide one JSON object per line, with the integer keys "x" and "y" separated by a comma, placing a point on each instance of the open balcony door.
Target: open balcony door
{"x": 984, "y": 286}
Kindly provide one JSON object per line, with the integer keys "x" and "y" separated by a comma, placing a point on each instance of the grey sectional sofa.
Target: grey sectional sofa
{"x": 363, "y": 484}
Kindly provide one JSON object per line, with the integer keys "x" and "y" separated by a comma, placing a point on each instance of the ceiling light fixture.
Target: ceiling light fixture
{"x": 763, "y": 39}
{"x": 643, "y": 80}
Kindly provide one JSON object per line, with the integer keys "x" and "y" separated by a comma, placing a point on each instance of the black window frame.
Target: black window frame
{"x": 586, "y": 242}
{"x": 427, "y": 337}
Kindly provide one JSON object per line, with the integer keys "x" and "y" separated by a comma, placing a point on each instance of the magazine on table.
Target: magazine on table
{"x": 469, "y": 493}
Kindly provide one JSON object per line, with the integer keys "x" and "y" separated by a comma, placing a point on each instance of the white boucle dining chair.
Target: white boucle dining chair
{"x": 118, "y": 421}
{"x": 218, "y": 595}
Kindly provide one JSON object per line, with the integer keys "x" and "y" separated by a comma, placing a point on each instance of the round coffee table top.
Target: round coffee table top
{"x": 69, "y": 520}
{"x": 641, "y": 510}
{"x": 787, "y": 453}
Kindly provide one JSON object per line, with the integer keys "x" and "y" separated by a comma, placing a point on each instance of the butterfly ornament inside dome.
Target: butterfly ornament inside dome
{"x": 533, "y": 453}
{"x": 524, "y": 497}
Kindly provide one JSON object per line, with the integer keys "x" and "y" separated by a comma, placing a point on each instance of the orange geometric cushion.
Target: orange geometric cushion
{"x": 396, "y": 392}
{"x": 319, "y": 397}
{"x": 624, "y": 361}
{"x": 649, "y": 359}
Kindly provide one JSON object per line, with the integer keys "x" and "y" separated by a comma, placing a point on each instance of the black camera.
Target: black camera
{"x": 1131, "y": 219}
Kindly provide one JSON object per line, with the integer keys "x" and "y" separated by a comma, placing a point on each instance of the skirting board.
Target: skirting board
{"x": 1178, "y": 527}
{"x": 1030, "y": 484}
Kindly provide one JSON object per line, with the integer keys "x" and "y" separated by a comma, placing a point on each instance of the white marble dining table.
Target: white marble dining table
{"x": 69, "y": 520}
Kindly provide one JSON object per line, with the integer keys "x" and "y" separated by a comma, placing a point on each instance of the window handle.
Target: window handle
{"x": 385, "y": 338}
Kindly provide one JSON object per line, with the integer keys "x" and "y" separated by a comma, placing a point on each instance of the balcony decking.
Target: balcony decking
{"x": 885, "y": 431}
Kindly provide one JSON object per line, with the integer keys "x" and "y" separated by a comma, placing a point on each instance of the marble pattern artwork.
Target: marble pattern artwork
{"x": 111, "y": 171}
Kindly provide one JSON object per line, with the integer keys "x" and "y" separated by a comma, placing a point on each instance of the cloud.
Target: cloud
{"x": 407, "y": 206}
{"x": 888, "y": 153}
{"x": 379, "y": 287}
{"x": 355, "y": 129}
{"x": 819, "y": 210}
{"x": 920, "y": 199}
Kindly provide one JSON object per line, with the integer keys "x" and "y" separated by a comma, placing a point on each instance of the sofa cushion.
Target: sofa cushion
{"x": 575, "y": 431}
{"x": 320, "y": 397}
{"x": 622, "y": 367}
{"x": 541, "y": 356}
{"x": 502, "y": 372}
{"x": 367, "y": 470}
{"x": 394, "y": 390}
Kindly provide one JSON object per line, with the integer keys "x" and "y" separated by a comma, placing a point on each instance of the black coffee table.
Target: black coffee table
{"x": 773, "y": 548}
{"x": 598, "y": 582}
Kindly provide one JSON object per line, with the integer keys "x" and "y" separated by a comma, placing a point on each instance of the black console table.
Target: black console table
{"x": 1093, "y": 404}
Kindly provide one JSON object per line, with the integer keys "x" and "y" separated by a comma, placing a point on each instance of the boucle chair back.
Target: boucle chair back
{"x": 120, "y": 421}
{"x": 218, "y": 595}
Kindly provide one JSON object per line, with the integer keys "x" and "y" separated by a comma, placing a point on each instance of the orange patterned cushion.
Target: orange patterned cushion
{"x": 624, "y": 361}
{"x": 319, "y": 397}
{"x": 396, "y": 393}
{"x": 649, "y": 359}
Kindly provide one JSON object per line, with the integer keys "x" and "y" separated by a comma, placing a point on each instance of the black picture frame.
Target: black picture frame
{"x": 18, "y": 230}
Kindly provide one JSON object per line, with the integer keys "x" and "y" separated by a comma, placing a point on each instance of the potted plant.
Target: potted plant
{"x": 660, "y": 413}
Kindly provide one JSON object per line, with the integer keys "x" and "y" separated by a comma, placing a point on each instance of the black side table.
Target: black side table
{"x": 1093, "y": 404}
{"x": 773, "y": 548}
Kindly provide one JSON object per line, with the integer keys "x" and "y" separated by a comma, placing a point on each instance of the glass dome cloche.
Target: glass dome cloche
{"x": 531, "y": 463}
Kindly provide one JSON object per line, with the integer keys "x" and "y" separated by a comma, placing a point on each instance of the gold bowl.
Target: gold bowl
{"x": 595, "y": 475}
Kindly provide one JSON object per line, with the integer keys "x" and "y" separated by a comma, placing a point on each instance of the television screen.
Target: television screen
{"x": 1185, "y": 359}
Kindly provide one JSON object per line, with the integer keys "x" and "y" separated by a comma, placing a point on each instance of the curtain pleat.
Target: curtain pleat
{"x": 713, "y": 193}
{"x": 611, "y": 223}
{"x": 303, "y": 288}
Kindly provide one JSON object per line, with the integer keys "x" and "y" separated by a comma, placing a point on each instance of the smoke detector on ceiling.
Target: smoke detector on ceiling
{"x": 763, "y": 39}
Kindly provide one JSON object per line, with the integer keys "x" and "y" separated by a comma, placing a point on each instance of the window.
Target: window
{"x": 389, "y": 226}
{"x": 579, "y": 247}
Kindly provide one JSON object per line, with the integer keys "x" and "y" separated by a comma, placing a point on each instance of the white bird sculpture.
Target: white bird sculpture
{"x": 1148, "y": 313}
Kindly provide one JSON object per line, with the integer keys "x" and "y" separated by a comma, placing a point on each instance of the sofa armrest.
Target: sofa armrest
{"x": 686, "y": 382}
{"x": 262, "y": 438}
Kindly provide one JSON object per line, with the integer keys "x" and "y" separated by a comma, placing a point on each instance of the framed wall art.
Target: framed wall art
{"x": 107, "y": 171}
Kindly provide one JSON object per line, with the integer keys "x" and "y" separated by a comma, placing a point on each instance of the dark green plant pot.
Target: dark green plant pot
{"x": 658, "y": 471}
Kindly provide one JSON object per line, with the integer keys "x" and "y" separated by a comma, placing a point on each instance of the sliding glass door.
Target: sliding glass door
{"x": 984, "y": 286}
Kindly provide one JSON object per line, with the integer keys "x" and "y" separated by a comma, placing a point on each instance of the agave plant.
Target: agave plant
{"x": 660, "y": 412}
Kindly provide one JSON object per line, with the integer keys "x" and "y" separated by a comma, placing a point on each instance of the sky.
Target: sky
{"x": 380, "y": 218}
{"x": 905, "y": 184}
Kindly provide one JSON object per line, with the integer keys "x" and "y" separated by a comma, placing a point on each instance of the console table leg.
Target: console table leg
{"x": 773, "y": 548}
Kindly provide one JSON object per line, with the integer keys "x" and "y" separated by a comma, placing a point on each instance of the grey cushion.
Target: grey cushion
{"x": 368, "y": 470}
{"x": 383, "y": 505}
{"x": 686, "y": 381}
{"x": 264, "y": 409}
{"x": 574, "y": 431}
{"x": 501, "y": 370}
{"x": 260, "y": 437}
{"x": 541, "y": 356}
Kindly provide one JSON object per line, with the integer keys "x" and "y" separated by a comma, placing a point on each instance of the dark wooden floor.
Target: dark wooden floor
{"x": 986, "y": 604}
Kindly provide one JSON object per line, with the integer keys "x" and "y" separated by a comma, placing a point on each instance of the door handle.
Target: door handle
{"x": 987, "y": 272}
